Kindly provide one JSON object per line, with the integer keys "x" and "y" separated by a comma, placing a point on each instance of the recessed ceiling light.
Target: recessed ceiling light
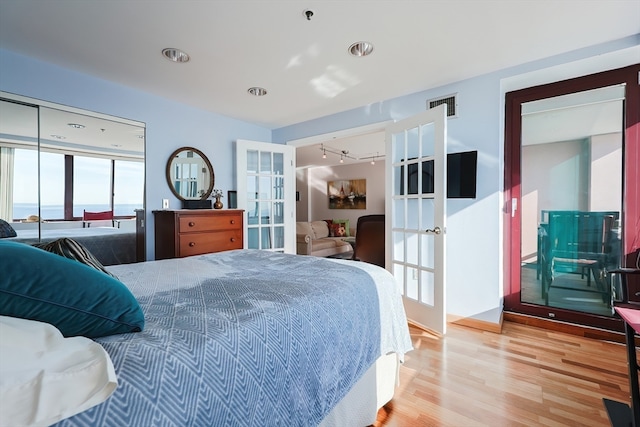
{"x": 175, "y": 55}
{"x": 58, "y": 136}
{"x": 257, "y": 91}
{"x": 361, "y": 49}
{"x": 75, "y": 125}
{"x": 116, "y": 145}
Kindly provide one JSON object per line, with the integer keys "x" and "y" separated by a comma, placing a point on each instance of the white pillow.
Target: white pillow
{"x": 45, "y": 377}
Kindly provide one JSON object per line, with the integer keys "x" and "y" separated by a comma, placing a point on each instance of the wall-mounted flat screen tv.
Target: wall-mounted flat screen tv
{"x": 461, "y": 176}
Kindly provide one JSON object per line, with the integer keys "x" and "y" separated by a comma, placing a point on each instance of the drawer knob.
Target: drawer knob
{"x": 233, "y": 221}
{"x": 192, "y": 244}
{"x": 191, "y": 224}
{"x": 233, "y": 239}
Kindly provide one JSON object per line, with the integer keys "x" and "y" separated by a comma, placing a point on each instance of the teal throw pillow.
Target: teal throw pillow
{"x": 73, "y": 297}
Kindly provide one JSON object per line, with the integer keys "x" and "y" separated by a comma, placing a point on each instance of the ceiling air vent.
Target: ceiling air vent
{"x": 449, "y": 100}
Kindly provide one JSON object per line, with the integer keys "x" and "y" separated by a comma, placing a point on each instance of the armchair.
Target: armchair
{"x": 370, "y": 237}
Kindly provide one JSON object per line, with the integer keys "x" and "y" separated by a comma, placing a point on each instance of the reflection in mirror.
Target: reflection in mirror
{"x": 190, "y": 174}
{"x": 572, "y": 199}
{"x": 57, "y": 163}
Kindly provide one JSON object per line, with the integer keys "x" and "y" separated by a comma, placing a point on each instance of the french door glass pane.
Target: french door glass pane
{"x": 252, "y": 161}
{"x": 265, "y": 162}
{"x": 571, "y": 200}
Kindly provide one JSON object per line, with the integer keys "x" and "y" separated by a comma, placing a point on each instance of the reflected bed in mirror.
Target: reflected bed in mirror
{"x": 190, "y": 176}
{"x": 58, "y": 161}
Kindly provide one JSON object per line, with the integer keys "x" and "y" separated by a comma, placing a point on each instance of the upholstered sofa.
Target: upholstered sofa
{"x": 312, "y": 238}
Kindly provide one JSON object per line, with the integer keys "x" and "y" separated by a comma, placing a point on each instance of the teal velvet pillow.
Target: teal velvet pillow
{"x": 73, "y": 297}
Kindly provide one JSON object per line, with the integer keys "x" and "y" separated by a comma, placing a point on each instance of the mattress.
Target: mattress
{"x": 109, "y": 245}
{"x": 248, "y": 337}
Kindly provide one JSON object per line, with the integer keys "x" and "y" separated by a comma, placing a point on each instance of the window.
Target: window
{"x": 128, "y": 187}
{"x": 91, "y": 185}
{"x": 25, "y": 183}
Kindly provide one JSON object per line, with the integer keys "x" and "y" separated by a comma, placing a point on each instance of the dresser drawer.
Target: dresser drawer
{"x": 197, "y": 223}
{"x": 186, "y": 232}
{"x": 202, "y": 243}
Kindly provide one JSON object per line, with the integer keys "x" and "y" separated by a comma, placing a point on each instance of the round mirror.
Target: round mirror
{"x": 190, "y": 174}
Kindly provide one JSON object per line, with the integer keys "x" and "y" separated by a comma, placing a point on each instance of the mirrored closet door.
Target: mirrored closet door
{"x": 70, "y": 173}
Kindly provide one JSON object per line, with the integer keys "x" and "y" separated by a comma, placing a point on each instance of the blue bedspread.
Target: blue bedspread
{"x": 247, "y": 338}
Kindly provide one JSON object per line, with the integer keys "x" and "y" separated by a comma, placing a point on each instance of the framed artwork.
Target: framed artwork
{"x": 233, "y": 199}
{"x": 347, "y": 194}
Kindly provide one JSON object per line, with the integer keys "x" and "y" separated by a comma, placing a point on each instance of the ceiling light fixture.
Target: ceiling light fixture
{"x": 75, "y": 125}
{"x": 175, "y": 55}
{"x": 344, "y": 154}
{"x": 58, "y": 136}
{"x": 361, "y": 49}
{"x": 257, "y": 91}
{"x": 373, "y": 159}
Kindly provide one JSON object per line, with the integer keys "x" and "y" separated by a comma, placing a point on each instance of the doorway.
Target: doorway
{"x": 571, "y": 174}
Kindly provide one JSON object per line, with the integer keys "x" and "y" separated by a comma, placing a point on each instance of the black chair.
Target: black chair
{"x": 370, "y": 236}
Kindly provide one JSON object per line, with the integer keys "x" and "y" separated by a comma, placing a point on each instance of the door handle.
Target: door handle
{"x": 435, "y": 230}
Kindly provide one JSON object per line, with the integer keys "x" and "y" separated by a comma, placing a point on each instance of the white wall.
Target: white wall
{"x": 316, "y": 188}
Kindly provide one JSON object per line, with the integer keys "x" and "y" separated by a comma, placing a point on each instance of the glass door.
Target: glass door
{"x": 573, "y": 213}
{"x": 571, "y": 202}
{"x": 266, "y": 194}
{"x": 416, "y": 212}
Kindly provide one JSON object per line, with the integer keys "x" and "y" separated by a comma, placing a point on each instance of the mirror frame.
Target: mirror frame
{"x": 206, "y": 161}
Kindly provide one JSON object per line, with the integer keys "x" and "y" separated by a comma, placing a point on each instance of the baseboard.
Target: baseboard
{"x": 476, "y": 323}
{"x": 567, "y": 328}
{"x": 464, "y": 321}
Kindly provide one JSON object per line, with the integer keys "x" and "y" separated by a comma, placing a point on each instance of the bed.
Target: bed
{"x": 248, "y": 337}
{"x": 110, "y": 245}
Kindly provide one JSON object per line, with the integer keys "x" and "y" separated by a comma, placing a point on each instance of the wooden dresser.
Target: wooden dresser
{"x": 181, "y": 233}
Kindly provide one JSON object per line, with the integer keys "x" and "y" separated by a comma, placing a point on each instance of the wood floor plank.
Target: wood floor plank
{"x": 525, "y": 376}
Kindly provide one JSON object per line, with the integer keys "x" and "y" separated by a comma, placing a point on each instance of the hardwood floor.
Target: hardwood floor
{"x": 525, "y": 376}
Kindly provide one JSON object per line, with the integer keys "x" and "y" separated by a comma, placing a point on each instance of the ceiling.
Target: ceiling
{"x": 303, "y": 64}
{"x": 68, "y": 132}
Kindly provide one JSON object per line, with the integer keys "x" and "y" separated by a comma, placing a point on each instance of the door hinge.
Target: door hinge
{"x": 514, "y": 207}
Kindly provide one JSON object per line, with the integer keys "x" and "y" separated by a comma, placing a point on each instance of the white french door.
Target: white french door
{"x": 266, "y": 193}
{"x": 416, "y": 214}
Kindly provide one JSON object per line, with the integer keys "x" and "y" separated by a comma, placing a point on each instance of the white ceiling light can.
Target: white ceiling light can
{"x": 361, "y": 49}
{"x": 175, "y": 55}
{"x": 75, "y": 125}
{"x": 257, "y": 91}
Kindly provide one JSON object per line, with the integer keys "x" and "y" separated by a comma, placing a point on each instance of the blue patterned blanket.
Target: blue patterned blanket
{"x": 247, "y": 338}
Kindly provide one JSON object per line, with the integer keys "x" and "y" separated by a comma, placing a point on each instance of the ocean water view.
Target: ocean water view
{"x": 23, "y": 210}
